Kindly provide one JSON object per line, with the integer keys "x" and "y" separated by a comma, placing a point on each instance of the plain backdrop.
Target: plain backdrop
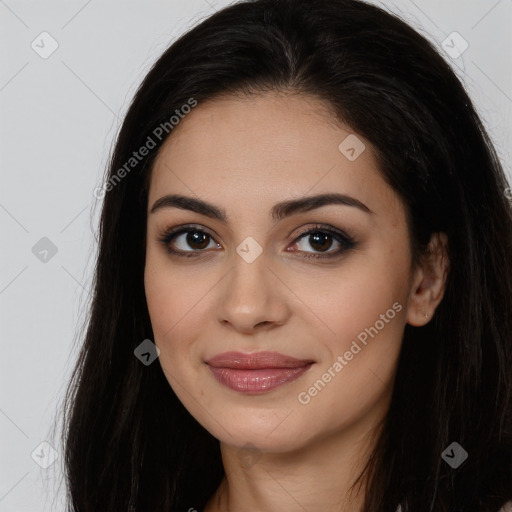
{"x": 59, "y": 115}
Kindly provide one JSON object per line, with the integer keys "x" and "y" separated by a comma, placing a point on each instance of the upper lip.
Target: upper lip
{"x": 256, "y": 360}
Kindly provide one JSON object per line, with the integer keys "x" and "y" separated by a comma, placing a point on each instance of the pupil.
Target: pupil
{"x": 319, "y": 236}
{"x": 194, "y": 238}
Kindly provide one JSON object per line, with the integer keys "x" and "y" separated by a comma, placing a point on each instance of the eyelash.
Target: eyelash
{"x": 346, "y": 241}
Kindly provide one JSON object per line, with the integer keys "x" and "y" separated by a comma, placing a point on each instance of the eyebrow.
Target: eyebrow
{"x": 279, "y": 211}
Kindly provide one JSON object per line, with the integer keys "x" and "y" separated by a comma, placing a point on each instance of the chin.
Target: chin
{"x": 274, "y": 436}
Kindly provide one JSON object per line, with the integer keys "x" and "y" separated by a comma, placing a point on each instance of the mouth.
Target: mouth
{"x": 258, "y": 372}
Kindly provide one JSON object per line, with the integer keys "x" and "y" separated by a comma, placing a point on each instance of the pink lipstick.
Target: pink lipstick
{"x": 257, "y": 372}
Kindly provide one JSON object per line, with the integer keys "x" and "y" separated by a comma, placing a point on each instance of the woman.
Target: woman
{"x": 302, "y": 297}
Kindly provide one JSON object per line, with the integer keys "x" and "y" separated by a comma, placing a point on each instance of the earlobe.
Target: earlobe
{"x": 429, "y": 282}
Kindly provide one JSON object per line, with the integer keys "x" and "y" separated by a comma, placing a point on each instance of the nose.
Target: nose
{"x": 253, "y": 298}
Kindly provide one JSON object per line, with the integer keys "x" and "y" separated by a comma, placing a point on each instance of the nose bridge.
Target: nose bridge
{"x": 250, "y": 262}
{"x": 249, "y": 280}
{"x": 250, "y": 294}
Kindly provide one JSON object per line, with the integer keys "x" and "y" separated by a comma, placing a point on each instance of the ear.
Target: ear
{"x": 428, "y": 282}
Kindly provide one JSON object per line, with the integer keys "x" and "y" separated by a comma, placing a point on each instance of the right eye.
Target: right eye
{"x": 195, "y": 238}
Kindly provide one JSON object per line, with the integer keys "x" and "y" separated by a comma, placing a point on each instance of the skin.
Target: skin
{"x": 245, "y": 155}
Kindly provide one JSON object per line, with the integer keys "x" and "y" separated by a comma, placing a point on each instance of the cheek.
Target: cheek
{"x": 177, "y": 302}
{"x": 165, "y": 311}
{"x": 343, "y": 303}
{"x": 355, "y": 379}
{"x": 165, "y": 308}
{"x": 176, "y": 310}
{"x": 361, "y": 310}
{"x": 170, "y": 293}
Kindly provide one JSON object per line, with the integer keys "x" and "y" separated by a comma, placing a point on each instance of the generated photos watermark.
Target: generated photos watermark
{"x": 343, "y": 360}
{"x": 158, "y": 133}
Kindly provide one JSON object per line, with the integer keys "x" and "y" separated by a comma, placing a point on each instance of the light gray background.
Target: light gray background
{"x": 59, "y": 117}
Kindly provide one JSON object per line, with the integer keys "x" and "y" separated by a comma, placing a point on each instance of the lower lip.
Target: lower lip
{"x": 257, "y": 381}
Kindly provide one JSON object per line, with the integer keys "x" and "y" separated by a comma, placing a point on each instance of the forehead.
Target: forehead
{"x": 258, "y": 150}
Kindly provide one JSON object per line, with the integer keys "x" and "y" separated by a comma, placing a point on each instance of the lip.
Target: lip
{"x": 257, "y": 372}
{"x": 256, "y": 360}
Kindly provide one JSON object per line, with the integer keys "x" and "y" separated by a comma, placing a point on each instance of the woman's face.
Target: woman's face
{"x": 246, "y": 278}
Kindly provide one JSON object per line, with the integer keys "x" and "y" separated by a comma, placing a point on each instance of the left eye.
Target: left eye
{"x": 319, "y": 238}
